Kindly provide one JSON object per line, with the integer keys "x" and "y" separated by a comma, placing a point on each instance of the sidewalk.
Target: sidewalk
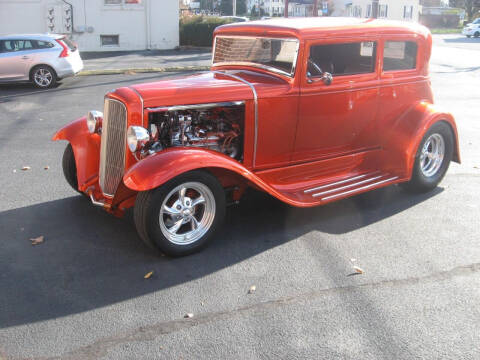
{"x": 115, "y": 62}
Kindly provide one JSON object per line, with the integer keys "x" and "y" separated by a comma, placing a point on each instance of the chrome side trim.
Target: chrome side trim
{"x": 337, "y": 183}
{"x": 141, "y": 100}
{"x": 195, "y": 106}
{"x": 347, "y": 186}
{"x": 255, "y": 101}
{"x": 359, "y": 189}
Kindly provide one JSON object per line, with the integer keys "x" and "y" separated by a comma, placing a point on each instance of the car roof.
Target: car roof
{"x": 311, "y": 27}
{"x": 45, "y": 37}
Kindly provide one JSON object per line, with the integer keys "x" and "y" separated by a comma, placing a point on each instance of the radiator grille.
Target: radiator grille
{"x": 113, "y": 145}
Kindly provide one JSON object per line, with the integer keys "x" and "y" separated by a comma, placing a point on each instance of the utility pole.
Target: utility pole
{"x": 315, "y": 7}
{"x": 285, "y": 12}
{"x": 234, "y": 7}
{"x": 374, "y": 9}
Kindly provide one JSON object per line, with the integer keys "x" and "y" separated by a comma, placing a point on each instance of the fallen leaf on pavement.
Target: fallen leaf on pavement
{"x": 358, "y": 270}
{"x": 148, "y": 275}
{"x": 188, "y": 315}
{"x": 26, "y": 168}
{"x": 252, "y": 289}
{"x": 37, "y": 240}
{"x": 129, "y": 72}
{"x": 46, "y": 167}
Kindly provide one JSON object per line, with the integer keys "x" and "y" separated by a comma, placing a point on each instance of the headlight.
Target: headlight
{"x": 137, "y": 138}
{"x": 94, "y": 121}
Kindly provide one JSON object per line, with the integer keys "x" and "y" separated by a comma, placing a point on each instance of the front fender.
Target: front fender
{"x": 161, "y": 167}
{"x": 86, "y": 148}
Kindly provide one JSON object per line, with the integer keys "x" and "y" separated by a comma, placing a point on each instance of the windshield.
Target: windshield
{"x": 477, "y": 21}
{"x": 278, "y": 55}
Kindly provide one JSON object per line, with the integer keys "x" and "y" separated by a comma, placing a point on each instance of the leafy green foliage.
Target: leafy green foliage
{"x": 198, "y": 30}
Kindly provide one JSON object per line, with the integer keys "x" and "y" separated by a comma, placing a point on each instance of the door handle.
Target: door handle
{"x": 25, "y": 57}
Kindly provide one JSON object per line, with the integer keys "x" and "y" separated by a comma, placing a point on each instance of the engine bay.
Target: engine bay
{"x": 217, "y": 128}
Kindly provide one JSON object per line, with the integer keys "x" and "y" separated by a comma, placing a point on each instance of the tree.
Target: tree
{"x": 226, "y": 7}
{"x": 206, "y": 5}
{"x": 241, "y": 7}
{"x": 471, "y": 6}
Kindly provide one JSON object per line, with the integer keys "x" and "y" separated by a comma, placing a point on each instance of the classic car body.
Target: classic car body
{"x": 306, "y": 139}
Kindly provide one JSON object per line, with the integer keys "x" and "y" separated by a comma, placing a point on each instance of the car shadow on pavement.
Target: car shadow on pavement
{"x": 462, "y": 40}
{"x": 90, "y": 259}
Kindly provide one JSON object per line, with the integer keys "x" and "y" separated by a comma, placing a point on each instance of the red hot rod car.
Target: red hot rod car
{"x": 308, "y": 110}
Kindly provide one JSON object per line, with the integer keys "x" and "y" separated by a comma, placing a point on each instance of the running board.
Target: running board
{"x": 349, "y": 186}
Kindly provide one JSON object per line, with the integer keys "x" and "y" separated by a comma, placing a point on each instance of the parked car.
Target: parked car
{"x": 235, "y": 18}
{"x": 40, "y": 59}
{"x": 472, "y": 29}
{"x": 308, "y": 110}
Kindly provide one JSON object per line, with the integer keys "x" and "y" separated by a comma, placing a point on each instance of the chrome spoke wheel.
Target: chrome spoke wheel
{"x": 432, "y": 155}
{"x": 187, "y": 213}
{"x": 42, "y": 77}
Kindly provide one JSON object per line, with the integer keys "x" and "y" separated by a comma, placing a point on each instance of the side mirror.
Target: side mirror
{"x": 326, "y": 77}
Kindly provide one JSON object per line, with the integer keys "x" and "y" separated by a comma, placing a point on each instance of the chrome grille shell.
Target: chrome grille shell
{"x": 113, "y": 146}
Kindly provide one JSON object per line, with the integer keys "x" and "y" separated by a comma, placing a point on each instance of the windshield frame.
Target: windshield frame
{"x": 290, "y": 74}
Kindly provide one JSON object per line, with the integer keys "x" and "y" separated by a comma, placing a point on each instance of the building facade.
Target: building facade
{"x": 406, "y": 10}
{"x": 97, "y": 25}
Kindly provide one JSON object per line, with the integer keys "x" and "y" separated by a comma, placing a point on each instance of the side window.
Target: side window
{"x": 17, "y": 45}
{"x": 44, "y": 44}
{"x": 400, "y": 55}
{"x": 343, "y": 59}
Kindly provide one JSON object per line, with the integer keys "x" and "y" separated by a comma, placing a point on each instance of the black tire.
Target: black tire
{"x": 469, "y": 36}
{"x": 476, "y": 35}
{"x": 149, "y": 203}
{"x": 419, "y": 181}
{"x": 50, "y": 76}
{"x": 69, "y": 167}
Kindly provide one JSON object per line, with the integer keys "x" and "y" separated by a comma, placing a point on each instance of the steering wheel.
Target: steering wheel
{"x": 315, "y": 67}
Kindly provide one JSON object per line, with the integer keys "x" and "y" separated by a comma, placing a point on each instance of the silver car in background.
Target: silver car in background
{"x": 40, "y": 59}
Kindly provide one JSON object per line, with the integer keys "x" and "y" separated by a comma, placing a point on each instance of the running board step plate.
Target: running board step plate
{"x": 349, "y": 186}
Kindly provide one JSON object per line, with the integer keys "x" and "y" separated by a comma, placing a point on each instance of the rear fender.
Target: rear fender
{"x": 161, "y": 167}
{"x": 86, "y": 148}
{"x": 402, "y": 142}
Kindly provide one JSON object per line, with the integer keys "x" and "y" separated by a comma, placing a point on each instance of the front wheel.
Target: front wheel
{"x": 181, "y": 216}
{"x": 432, "y": 158}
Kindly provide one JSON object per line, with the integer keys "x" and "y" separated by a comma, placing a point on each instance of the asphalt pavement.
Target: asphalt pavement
{"x": 81, "y": 294}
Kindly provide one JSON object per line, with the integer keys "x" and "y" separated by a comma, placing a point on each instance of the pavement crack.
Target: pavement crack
{"x": 148, "y": 333}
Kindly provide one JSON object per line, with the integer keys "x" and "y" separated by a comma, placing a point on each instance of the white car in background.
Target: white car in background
{"x": 40, "y": 59}
{"x": 472, "y": 29}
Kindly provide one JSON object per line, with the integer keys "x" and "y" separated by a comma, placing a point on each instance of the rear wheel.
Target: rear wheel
{"x": 469, "y": 36}
{"x": 432, "y": 159}
{"x": 477, "y": 34}
{"x": 43, "y": 76}
{"x": 181, "y": 216}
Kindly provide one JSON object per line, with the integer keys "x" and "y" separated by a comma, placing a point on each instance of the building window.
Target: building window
{"x": 383, "y": 11}
{"x": 408, "y": 12}
{"x": 343, "y": 59}
{"x": 109, "y": 40}
{"x": 400, "y": 55}
{"x": 355, "y": 11}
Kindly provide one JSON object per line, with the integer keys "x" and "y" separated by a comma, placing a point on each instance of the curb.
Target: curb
{"x": 131, "y": 71}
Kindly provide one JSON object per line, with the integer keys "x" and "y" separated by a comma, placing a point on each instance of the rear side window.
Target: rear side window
{"x": 343, "y": 59}
{"x": 400, "y": 55}
{"x": 44, "y": 44}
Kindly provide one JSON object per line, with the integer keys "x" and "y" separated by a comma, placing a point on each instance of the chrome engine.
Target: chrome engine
{"x": 219, "y": 129}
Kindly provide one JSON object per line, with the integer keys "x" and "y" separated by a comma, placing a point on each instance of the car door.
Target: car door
{"x": 338, "y": 119}
{"x": 15, "y": 59}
